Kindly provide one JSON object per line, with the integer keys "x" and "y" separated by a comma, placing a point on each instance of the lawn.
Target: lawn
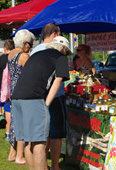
{"x": 5, "y": 165}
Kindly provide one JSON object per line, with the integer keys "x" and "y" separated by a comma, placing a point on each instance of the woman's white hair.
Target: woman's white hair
{"x": 23, "y": 36}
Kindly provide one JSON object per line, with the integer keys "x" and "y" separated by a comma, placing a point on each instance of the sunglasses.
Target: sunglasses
{"x": 30, "y": 44}
{"x": 79, "y": 50}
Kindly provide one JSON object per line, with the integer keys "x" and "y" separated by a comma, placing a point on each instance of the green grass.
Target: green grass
{"x": 4, "y": 151}
{"x": 5, "y": 165}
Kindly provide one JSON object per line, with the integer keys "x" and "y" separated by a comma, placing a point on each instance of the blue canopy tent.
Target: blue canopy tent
{"x": 79, "y": 16}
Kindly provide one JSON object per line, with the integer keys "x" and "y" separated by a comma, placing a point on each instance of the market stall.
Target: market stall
{"x": 91, "y": 107}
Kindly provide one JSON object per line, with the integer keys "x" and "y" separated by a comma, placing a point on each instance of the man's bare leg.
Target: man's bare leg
{"x": 7, "y": 117}
{"x": 35, "y": 155}
{"x": 47, "y": 151}
{"x": 29, "y": 155}
{"x": 0, "y": 110}
{"x": 12, "y": 154}
{"x": 55, "y": 150}
{"x": 39, "y": 155}
{"x": 20, "y": 153}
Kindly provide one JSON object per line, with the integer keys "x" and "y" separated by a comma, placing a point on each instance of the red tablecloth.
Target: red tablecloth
{"x": 95, "y": 88}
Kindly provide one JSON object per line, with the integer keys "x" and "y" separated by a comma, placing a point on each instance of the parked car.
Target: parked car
{"x": 109, "y": 70}
{"x": 98, "y": 67}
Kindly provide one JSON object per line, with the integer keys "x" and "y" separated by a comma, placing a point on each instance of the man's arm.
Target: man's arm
{"x": 53, "y": 90}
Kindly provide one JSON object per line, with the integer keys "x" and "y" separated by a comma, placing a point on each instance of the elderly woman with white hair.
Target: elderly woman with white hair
{"x": 16, "y": 60}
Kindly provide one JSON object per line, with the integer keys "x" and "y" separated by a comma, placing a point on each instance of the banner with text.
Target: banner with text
{"x": 89, "y": 135}
{"x": 102, "y": 41}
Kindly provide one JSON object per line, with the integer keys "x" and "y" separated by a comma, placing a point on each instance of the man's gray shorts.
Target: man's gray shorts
{"x": 31, "y": 120}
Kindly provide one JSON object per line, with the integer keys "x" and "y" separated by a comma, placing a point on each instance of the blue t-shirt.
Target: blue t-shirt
{"x": 39, "y": 47}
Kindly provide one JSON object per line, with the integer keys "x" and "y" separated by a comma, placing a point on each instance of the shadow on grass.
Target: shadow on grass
{"x": 62, "y": 164}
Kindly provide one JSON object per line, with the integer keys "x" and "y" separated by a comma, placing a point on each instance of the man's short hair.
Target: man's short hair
{"x": 48, "y": 29}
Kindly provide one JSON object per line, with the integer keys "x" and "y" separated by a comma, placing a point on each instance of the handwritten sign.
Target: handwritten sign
{"x": 102, "y": 41}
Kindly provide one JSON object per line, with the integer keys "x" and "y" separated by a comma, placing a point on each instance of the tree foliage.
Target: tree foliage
{"x": 5, "y": 4}
{"x": 101, "y": 56}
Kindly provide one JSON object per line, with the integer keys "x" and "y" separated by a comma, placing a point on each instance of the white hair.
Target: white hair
{"x": 23, "y": 36}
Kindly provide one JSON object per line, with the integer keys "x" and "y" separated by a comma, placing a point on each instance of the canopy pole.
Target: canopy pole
{"x": 13, "y": 4}
{"x": 71, "y": 43}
